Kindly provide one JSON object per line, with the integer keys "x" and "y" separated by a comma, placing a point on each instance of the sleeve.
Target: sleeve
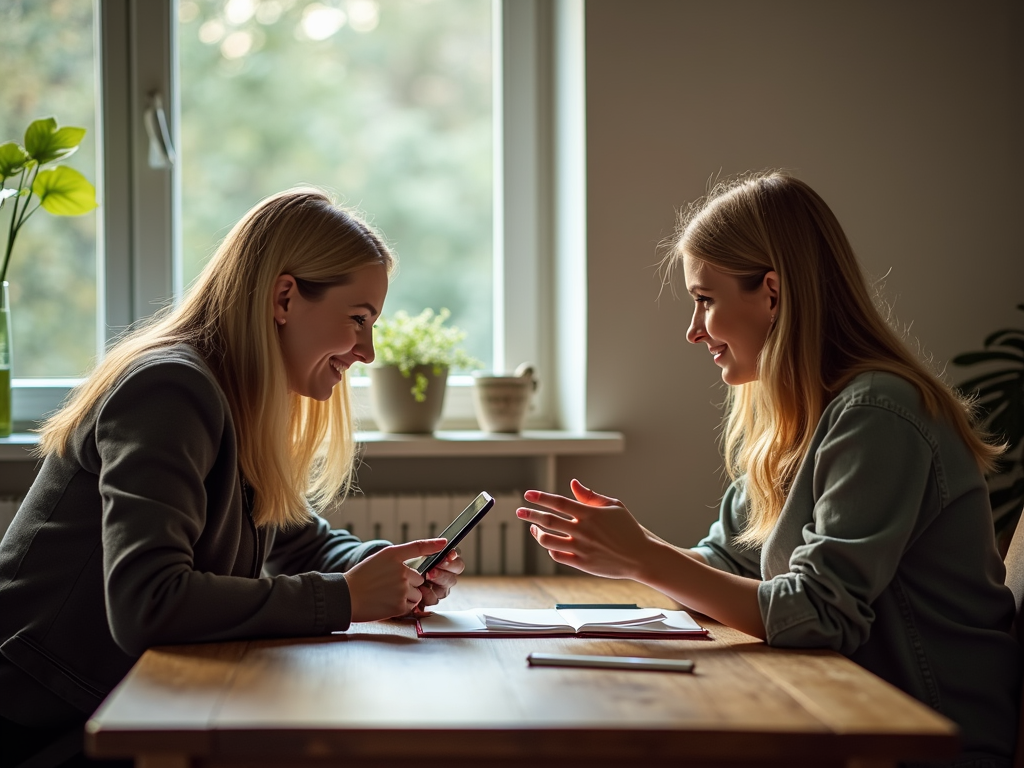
{"x": 719, "y": 548}
{"x": 871, "y": 473}
{"x": 159, "y": 433}
{"x": 317, "y": 547}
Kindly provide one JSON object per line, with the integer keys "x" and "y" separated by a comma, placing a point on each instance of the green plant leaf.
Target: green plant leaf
{"x": 64, "y": 192}
{"x": 994, "y": 337}
{"x": 13, "y": 158}
{"x": 45, "y": 142}
{"x": 972, "y": 358}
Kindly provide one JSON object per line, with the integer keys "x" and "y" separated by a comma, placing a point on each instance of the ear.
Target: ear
{"x": 283, "y": 291}
{"x": 771, "y": 286}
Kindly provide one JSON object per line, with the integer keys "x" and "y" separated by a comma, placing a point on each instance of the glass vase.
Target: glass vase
{"x": 5, "y": 361}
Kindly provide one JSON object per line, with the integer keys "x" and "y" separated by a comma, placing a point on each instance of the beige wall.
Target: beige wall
{"x": 906, "y": 116}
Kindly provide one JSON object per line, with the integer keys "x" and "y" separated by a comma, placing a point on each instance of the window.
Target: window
{"x": 48, "y": 70}
{"x": 387, "y": 104}
{"x": 397, "y": 106}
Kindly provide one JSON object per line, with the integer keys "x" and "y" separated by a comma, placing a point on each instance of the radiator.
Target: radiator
{"x": 496, "y": 546}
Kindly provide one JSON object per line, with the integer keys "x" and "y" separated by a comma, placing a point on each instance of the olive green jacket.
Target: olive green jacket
{"x": 885, "y": 552}
{"x": 139, "y": 536}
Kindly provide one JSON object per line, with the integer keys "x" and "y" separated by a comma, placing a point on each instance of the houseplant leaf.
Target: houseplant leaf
{"x": 13, "y": 158}
{"x": 45, "y": 142}
{"x": 971, "y": 358}
{"x": 64, "y": 192}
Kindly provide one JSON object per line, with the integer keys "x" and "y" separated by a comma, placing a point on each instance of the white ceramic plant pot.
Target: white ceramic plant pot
{"x": 503, "y": 401}
{"x": 394, "y": 406}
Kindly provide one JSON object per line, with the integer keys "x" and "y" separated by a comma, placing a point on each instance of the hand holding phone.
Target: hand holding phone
{"x": 455, "y": 532}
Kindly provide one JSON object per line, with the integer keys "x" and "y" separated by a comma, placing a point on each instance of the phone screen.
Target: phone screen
{"x": 455, "y": 532}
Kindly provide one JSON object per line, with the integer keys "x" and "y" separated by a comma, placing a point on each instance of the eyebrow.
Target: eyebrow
{"x": 695, "y": 289}
{"x": 366, "y": 305}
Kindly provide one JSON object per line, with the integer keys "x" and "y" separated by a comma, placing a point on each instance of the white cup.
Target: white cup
{"x": 502, "y": 401}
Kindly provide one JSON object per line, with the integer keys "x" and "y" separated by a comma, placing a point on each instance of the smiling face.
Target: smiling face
{"x": 732, "y": 321}
{"x": 322, "y": 337}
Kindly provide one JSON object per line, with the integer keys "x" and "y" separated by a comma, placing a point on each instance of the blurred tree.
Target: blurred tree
{"x": 48, "y": 70}
{"x": 385, "y": 103}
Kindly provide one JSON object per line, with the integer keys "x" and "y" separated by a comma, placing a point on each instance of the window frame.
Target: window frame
{"x": 138, "y": 228}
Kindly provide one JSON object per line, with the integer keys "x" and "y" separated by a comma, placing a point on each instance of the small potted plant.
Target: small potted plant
{"x": 61, "y": 191}
{"x": 408, "y": 377}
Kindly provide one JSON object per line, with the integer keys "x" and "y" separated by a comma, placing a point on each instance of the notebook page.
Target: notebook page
{"x": 595, "y": 618}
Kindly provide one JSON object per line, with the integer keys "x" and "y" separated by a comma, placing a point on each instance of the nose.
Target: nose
{"x": 364, "y": 350}
{"x": 696, "y": 333}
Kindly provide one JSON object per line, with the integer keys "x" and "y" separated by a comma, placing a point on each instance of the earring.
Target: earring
{"x": 773, "y": 320}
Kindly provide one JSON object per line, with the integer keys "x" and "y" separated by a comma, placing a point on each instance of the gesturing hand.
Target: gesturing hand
{"x": 382, "y": 586}
{"x": 594, "y": 533}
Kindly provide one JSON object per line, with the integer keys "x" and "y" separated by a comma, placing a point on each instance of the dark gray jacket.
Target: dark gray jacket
{"x": 140, "y": 536}
{"x": 885, "y": 552}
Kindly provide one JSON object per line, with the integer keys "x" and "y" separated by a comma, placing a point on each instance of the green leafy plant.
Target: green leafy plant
{"x": 407, "y": 342}
{"x": 60, "y": 190}
{"x": 999, "y": 394}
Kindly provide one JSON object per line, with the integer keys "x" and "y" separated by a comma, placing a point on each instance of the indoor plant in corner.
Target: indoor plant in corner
{"x": 408, "y": 377}
{"x": 999, "y": 394}
{"x": 60, "y": 190}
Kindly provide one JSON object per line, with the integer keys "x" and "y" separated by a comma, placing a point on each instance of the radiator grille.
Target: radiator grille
{"x": 496, "y": 546}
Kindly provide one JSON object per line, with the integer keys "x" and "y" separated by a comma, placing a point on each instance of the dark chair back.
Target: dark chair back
{"x": 1015, "y": 581}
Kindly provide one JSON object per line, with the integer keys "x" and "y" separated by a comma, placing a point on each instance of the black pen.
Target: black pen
{"x": 597, "y": 605}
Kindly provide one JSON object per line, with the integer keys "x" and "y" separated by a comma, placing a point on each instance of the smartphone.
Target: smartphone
{"x": 455, "y": 532}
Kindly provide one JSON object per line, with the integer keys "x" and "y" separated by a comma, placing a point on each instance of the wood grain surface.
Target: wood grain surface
{"x": 378, "y": 696}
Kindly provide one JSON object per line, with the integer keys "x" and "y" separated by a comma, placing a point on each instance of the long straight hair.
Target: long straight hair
{"x": 827, "y": 330}
{"x": 291, "y": 449}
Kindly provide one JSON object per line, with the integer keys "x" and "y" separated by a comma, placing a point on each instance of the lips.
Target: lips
{"x": 717, "y": 351}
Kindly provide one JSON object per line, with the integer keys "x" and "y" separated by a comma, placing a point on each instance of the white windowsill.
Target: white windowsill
{"x": 444, "y": 443}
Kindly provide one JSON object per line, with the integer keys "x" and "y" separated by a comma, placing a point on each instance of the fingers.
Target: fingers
{"x": 589, "y": 497}
{"x": 551, "y": 541}
{"x": 418, "y": 548}
{"x": 452, "y": 563}
{"x": 546, "y": 520}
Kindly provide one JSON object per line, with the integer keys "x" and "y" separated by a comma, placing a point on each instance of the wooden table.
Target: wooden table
{"x": 378, "y": 696}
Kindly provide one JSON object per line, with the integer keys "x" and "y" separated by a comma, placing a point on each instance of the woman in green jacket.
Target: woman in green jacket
{"x": 858, "y": 516}
{"x": 177, "y": 497}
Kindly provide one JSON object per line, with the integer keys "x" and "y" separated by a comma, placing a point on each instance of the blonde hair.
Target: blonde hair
{"x": 827, "y": 330}
{"x": 227, "y": 316}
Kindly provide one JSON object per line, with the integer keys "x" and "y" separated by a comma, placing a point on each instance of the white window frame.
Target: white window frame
{"x": 540, "y": 307}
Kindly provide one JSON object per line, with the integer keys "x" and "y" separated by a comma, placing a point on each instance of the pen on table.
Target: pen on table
{"x": 609, "y": 662}
{"x": 559, "y": 606}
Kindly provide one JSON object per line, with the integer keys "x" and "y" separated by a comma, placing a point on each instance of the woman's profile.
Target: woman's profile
{"x": 177, "y": 494}
{"x": 858, "y": 517}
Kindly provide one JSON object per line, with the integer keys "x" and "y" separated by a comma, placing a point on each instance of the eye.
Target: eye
{"x": 701, "y": 299}
{"x": 360, "y": 320}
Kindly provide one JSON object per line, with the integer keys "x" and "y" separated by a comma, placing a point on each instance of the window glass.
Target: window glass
{"x": 386, "y": 103}
{"x": 48, "y": 70}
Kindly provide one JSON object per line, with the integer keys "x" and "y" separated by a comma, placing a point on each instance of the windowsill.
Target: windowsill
{"x": 443, "y": 443}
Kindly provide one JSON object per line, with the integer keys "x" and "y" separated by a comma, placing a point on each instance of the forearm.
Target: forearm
{"x": 683, "y": 575}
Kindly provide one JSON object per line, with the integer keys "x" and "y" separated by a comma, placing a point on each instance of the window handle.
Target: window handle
{"x": 161, "y": 150}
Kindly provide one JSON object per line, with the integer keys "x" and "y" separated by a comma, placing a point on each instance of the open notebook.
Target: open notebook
{"x": 553, "y": 622}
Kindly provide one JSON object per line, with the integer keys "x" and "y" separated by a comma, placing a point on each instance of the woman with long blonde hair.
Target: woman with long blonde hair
{"x": 858, "y": 516}
{"x": 177, "y": 497}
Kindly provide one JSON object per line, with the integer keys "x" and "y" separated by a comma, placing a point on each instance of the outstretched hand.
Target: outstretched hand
{"x": 593, "y": 533}
{"x": 382, "y": 586}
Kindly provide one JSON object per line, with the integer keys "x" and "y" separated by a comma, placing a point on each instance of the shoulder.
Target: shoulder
{"x": 172, "y": 374}
{"x": 881, "y": 399}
